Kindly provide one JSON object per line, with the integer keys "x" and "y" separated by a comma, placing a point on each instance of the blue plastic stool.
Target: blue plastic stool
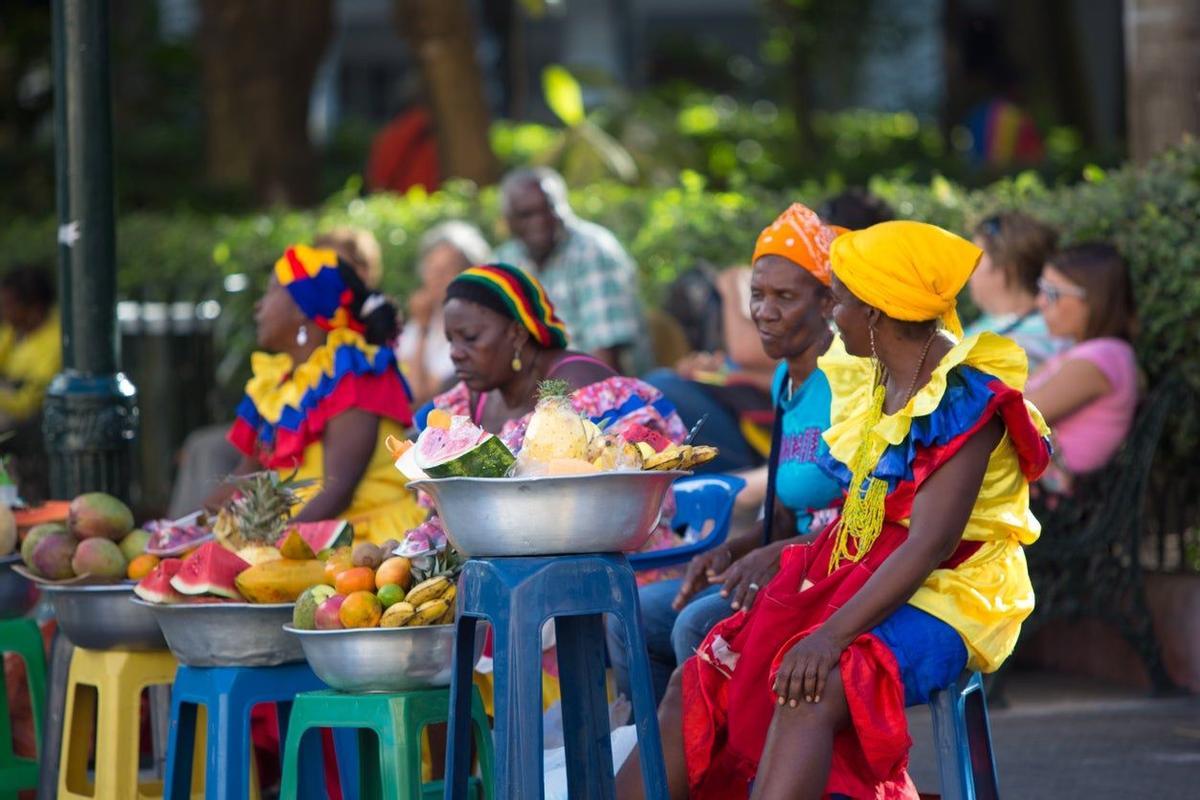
{"x": 228, "y": 694}
{"x": 517, "y": 595}
{"x": 963, "y": 738}
{"x": 698, "y": 500}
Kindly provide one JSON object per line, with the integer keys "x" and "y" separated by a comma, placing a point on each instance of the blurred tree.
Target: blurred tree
{"x": 259, "y": 60}
{"x": 441, "y": 35}
{"x": 1163, "y": 73}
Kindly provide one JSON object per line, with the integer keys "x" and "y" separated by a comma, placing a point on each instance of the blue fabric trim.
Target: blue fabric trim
{"x": 931, "y": 654}
{"x": 662, "y": 405}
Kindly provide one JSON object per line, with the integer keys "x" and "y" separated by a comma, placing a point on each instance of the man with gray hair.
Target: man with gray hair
{"x": 588, "y": 276}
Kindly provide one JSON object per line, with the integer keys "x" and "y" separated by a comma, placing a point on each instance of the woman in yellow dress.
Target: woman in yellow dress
{"x": 326, "y": 395}
{"x": 921, "y": 576}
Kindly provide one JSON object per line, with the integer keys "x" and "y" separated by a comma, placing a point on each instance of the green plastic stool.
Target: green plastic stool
{"x": 23, "y": 638}
{"x": 390, "y": 765}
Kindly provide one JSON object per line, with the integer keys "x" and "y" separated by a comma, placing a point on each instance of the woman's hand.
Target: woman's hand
{"x": 700, "y": 572}
{"x": 744, "y": 577}
{"x": 805, "y": 668}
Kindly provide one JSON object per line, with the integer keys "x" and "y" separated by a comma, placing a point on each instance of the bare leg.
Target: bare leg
{"x": 670, "y": 725}
{"x": 799, "y": 750}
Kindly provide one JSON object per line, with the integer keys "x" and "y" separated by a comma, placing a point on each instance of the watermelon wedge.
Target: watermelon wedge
{"x": 462, "y": 450}
{"x": 156, "y": 586}
{"x": 326, "y": 534}
{"x": 640, "y": 433}
{"x": 210, "y": 570}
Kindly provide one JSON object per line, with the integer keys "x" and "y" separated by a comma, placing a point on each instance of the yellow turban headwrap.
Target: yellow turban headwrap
{"x": 799, "y": 236}
{"x": 908, "y": 270}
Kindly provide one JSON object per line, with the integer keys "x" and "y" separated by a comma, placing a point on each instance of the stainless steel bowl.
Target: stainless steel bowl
{"x": 227, "y": 634}
{"x": 607, "y": 512}
{"x": 100, "y": 617}
{"x": 382, "y": 659}
{"x": 16, "y": 591}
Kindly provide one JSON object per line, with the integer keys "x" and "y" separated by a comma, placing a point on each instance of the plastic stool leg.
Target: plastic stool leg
{"x": 61, "y": 651}
{"x": 518, "y": 698}
{"x": 22, "y": 638}
{"x": 227, "y": 766}
{"x": 963, "y": 741}
{"x": 580, "y": 641}
{"x": 118, "y": 724}
{"x": 293, "y": 742}
{"x": 345, "y": 746}
{"x": 458, "y": 735}
{"x": 645, "y": 711}
{"x": 181, "y": 747}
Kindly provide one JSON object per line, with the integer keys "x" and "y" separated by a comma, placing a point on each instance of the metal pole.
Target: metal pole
{"x": 90, "y": 413}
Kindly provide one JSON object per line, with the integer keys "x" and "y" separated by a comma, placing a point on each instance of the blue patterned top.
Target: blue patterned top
{"x": 801, "y": 484}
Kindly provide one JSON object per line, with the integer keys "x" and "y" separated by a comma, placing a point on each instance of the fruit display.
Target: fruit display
{"x": 455, "y": 447}
{"x": 171, "y": 539}
{"x": 260, "y": 511}
{"x": 97, "y": 543}
{"x": 364, "y": 587}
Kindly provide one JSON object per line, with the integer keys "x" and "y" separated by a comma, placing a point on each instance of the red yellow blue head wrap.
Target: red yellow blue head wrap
{"x": 515, "y": 294}
{"x": 315, "y": 278}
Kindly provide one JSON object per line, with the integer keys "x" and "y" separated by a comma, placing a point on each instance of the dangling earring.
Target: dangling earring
{"x": 516, "y": 362}
{"x": 874, "y": 354}
{"x": 302, "y": 335}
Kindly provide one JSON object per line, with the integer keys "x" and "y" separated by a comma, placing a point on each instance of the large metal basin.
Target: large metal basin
{"x": 382, "y": 659}
{"x": 100, "y": 617}
{"x": 16, "y": 591}
{"x": 608, "y": 512}
{"x": 227, "y": 634}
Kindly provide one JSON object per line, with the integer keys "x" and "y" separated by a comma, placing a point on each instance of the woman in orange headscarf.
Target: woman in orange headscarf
{"x": 921, "y": 575}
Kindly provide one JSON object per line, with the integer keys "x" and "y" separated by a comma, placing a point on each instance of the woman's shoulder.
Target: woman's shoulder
{"x": 580, "y": 369}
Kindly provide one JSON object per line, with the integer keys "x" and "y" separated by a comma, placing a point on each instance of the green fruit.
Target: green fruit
{"x": 325, "y": 554}
{"x": 304, "y": 614}
{"x": 100, "y": 558}
{"x": 99, "y": 515}
{"x": 134, "y": 544}
{"x": 390, "y": 594}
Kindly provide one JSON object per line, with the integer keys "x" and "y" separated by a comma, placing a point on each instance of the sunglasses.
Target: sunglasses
{"x": 1053, "y": 293}
{"x": 991, "y": 227}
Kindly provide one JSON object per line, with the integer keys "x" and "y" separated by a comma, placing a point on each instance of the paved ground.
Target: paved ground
{"x": 1065, "y": 737}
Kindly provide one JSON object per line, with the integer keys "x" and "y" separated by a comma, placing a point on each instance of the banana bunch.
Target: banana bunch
{"x": 677, "y": 456}
{"x": 430, "y": 602}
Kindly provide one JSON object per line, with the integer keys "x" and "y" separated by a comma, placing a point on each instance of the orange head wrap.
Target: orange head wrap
{"x": 799, "y": 236}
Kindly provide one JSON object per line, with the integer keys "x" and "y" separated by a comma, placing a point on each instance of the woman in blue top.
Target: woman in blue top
{"x": 790, "y": 304}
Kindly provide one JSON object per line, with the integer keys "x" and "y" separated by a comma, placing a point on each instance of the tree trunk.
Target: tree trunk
{"x": 441, "y": 35}
{"x": 1162, "y": 47}
{"x": 259, "y": 61}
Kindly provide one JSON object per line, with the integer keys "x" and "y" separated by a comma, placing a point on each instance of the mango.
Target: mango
{"x": 134, "y": 544}
{"x": 35, "y": 535}
{"x": 327, "y": 613}
{"x": 52, "y": 557}
{"x": 101, "y": 558}
{"x": 97, "y": 514}
{"x": 304, "y": 616}
{"x": 279, "y": 581}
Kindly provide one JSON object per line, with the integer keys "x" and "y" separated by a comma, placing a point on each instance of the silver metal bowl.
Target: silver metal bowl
{"x": 382, "y": 659}
{"x": 16, "y": 591}
{"x": 100, "y": 617}
{"x": 227, "y": 634}
{"x": 607, "y": 512}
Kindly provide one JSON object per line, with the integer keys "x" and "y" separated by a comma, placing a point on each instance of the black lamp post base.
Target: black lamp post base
{"x": 90, "y": 422}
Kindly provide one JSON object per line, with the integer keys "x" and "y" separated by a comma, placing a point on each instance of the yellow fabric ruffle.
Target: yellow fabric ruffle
{"x": 277, "y": 383}
{"x": 382, "y": 507}
{"x": 988, "y": 596}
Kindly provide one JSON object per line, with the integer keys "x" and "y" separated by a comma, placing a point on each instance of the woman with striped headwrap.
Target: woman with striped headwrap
{"x": 326, "y": 394}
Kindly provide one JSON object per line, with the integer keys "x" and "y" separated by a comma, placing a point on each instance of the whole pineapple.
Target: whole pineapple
{"x": 556, "y": 429}
{"x": 259, "y": 511}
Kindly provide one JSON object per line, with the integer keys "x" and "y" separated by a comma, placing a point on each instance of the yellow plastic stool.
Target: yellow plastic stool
{"x": 104, "y": 694}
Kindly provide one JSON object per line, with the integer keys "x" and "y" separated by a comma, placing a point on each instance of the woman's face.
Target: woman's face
{"x": 850, "y": 315}
{"x": 482, "y": 344}
{"x": 788, "y": 305}
{"x": 987, "y": 281}
{"x": 277, "y": 318}
{"x": 1063, "y": 305}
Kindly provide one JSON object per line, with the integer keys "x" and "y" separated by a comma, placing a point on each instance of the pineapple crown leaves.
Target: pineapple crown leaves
{"x": 553, "y": 387}
{"x": 263, "y": 503}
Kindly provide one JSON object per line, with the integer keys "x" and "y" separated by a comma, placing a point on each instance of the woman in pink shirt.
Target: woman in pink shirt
{"x": 1088, "y": 393}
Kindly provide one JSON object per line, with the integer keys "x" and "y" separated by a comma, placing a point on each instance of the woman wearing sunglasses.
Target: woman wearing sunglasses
{"x": 1088, "y": 393}
{"x": 1005, "y": 284}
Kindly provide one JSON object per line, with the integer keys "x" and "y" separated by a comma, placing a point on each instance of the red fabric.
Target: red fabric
{"x": 383, "y": 395}
{"x": 404, "y": 154}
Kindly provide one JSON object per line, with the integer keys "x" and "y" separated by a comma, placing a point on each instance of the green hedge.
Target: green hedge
{"x": 1151, "y": 213}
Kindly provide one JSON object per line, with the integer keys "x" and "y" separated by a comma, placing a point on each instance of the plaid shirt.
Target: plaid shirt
{"x": 592, "y": 282}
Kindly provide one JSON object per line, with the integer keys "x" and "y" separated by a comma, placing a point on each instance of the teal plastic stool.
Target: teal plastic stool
{"x": 23, "y": 638}
{"x": 389, "y": 761}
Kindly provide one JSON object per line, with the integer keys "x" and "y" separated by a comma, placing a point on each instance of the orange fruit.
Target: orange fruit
{"x": 355, "y": 579}
{"x": 360, "y": 610}
{"x": 396, "y": 571}
{"x": 438, "y": 418}
{"x": 141, "y": 566}
{"x": 337, "y": 563}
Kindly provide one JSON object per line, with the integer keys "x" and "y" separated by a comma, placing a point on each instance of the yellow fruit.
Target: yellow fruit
{"x": 667, "y": 459}
{"x": 645, "y": 451}
{"x": 279, "y": 581}
{"x": 448, "y": 617}
{"x": 429, "y": 613}
{"x": 427, "y": 590}
{"x": 259, "y": 555}
{"x": 450, "y": 594}
{"x": 570, "y": 466}
{"x": 701, "y": 454}
{"x": 397, "y": 616}
{"x": 141, "y": 566}
{"x": 397, "y": 571}
{"x": 438, "y": 418}
{"x": 337, "y": 563}
{"x": 294, "y": 546}
{"x": 360, "y": 610}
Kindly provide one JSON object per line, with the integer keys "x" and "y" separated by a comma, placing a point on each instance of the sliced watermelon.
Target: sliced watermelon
{"x": 156, "y": 586}
{"x": 210, "y": 570}
{"x": 168, "y": 539}
{"x": 462, "y": 450}
{"x": 640, "y": 433}
{"x": 325, "y": 534}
